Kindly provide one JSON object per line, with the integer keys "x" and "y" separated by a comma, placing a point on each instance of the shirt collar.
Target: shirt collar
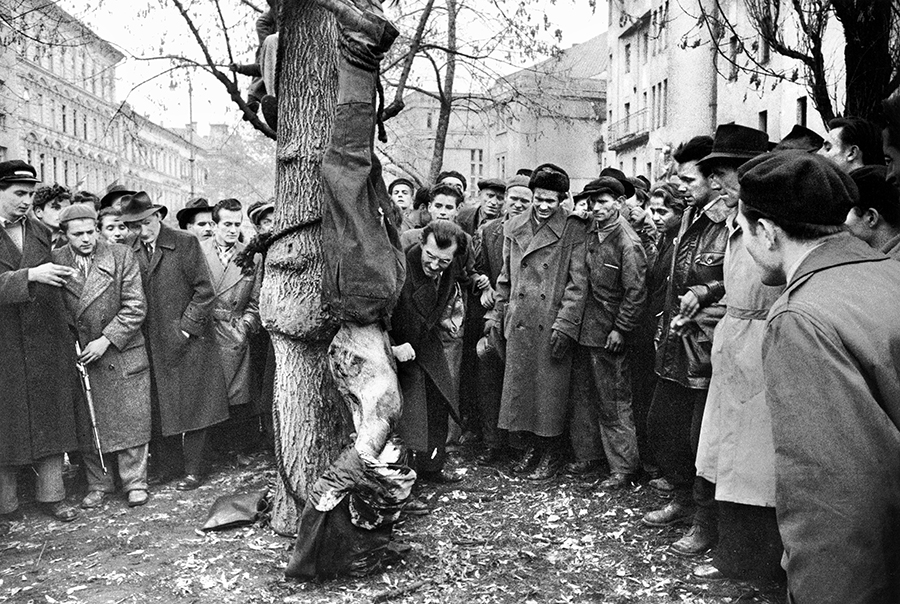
{"x": 4, "y": 223}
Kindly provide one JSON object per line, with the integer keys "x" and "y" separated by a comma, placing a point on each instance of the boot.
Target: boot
{"x": 672, "y": 512}
{"x": 698, "y": 540}
{"x": 527, "y": 462}
{"x": 548, "y": 467}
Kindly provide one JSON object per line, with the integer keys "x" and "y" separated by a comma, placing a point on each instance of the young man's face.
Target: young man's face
{"x": 15, "y": 200}
{"x": 435, "y": 260}
{"x": 49, "y": 214}
{"x": 113, "y": 230}
{"x": 202, "y": 225}
{"x": 228, "y": 229}
{"x": 443, "y": 207}
{"x": 891, "y": 158}
{"x": 518, "y": 199}
{"x": 402, "y": 196}
{"x": 604, "y": 207}
{"x": 664, "y": 217}
{"x": 147, "y": 230}
{"x": 545, "y": 203}
{"x": 834, "y": 149}
{"x": 692, "y": 185}
{"x": 724, "y": 180}
{"x": 763, "y": 249}
{"x": 266, "y": 223}
{"x": 81, "y": 233}
{"x": 491, "y": 202}
{"x": 858, "y": 226}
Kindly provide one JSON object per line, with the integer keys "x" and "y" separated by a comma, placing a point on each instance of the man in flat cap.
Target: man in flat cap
{"x": 106, "y": 305}
{"x": 490, "y": 201}
{"x": 830, "y": 356}
{"x": 188, "y": 387}
{"x": 601, "y": 321}
{"x": 542, "y": 248}
{"x": 876, "y": 217}
{"x": 38, "y": 378}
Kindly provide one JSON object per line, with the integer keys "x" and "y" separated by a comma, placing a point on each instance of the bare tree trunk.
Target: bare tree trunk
{"x": 443, "y": 123}
{"x": 310, "y": 423}
{"x": 867, "y": 54}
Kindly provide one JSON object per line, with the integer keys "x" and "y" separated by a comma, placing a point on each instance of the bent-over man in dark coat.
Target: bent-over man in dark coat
{"x": 37, "y": 355}
{"x": 433, "y": 268}
{"x": 188, "y": 388}
{"x": 106, "y": 304}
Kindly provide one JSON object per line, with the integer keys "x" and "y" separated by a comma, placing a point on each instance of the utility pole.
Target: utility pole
{"x": 191, "y": 129}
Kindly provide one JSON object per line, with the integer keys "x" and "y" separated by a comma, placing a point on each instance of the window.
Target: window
{"x": 733, "y": 47}
{"x": 644, "y": 105}
{"x": 29, "y": 156}
{"x": 55, "y": 170}
{"x": 628, "y": 118}
{"x": 41, "y": 165}
{"x": 649, "y": 172}
{"x": 84, "y": 126}
{"x": 801, "y": 111}
{"x": 64, "y": 119}
{"x": 633, "y": 166}
{"x": 665, "y": 102}
{"x": 429, "y": 120}
{"x": 763, "y": 121}
{"x": 4, "y": 152}
{"x": 74, "y": 122}
{"x": 66, "y": 172}
{"x": 645, "y": 45}
{"x": 476, "y": 167}
{"x": 628, "y": 58}
{"x": 2, "y": 121}
{"x": 52, "y": 114}
{"x": 501, "y": 166}
{"x": 664, "y": 24}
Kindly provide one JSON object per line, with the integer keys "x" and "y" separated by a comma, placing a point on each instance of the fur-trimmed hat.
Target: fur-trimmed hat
{"x": 550, "y": 177}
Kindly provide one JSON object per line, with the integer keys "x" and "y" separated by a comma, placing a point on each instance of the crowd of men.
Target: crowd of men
{"x": 728, "y": 333}
{"x": 164, "y": 322}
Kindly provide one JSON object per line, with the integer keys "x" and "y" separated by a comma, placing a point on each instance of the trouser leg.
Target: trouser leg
{"x": 433, "y": 459}
{"x": 453, "y": 350}
{"x": 167, "y": 453}
{"x": 584, "y": 422}
{"x": 194, "y": 450}
{"x": 49, "y": 487}
{"x": 133, "y": 468}
{"x": 613, "y": 381}
{"x": 96, "y": 479}
{"x": 669, "y": 425}
{"x": 9, "y": 500}
{"x": 490, "y": 391}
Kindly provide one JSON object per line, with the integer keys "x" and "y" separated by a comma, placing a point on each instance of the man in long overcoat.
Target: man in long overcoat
{"x": 187, "y": 384}
{"x": 830, "y": 356}
{"x": 433, "y": 268}
{"x": 543, "y": 255}
{"x": 106, "y": 304}
{"x": 37, "y": 356}
{"x": 235, "y": 312}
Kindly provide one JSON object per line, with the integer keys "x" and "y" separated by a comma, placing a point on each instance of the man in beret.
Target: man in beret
{"x": 189, "y": 392}
{"x": 735, "y": 455}
{"x": 37, "y": 358}
{"x": 876, "y": 217}
{"x": 488, "y": 244}
{"x": 830, "y": 355}
{"x": 601, "y": 321}
{"x": 683, "y": 352}
{"x": 542, "y": 248}
{"x": 106, "y": 305}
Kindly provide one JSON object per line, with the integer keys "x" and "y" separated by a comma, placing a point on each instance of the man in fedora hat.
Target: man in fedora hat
{"x": 735, "y": 451}
{"x": 106, "y": 305}
{"x": 188, "y": 394}
{"x": 37, "y": 358}
{"x": 113, "y": 196}
{"x": 831, "y": 350}
{"x": 607, "y": 310}
{"x": 196, "y": 218}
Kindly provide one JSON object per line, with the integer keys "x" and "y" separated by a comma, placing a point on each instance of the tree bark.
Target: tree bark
{"x": 443, "y": 123}
{"x": 310, "y": 423}
{"x": 867, "y": 54}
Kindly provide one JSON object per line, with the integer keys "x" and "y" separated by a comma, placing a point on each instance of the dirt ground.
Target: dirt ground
{"x": 491, "y": 538}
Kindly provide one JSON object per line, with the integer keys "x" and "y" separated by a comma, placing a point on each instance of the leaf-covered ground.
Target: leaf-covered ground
{"x": 491, "y": 538}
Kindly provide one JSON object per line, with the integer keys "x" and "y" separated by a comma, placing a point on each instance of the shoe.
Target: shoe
{"x": 415, "y": 506}
{"x": 698, "y": 540}
{"x": 60, "y": 510}
{"x": 137, "y": 497}
{"x": 527, "y": 462}
{"x": 671, "y": 513}
{"x": 580, "y": 468}
{"x": 489, "y": 456}
{"x": 661, "y": 484}
{"x": 548, "y": 467}
{"x": 94, "y": 499}
{"x": 189, "y": 483}
{"x": 708, "y": 572}
{"x": 439, "y": 477}
{"x": 5, "y": 527}
{"x": 617, "y": 480}
{"x": 469, "y": 437}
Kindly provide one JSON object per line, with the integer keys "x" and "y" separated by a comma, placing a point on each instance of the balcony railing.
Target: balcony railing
{"x": 629, "y": 129}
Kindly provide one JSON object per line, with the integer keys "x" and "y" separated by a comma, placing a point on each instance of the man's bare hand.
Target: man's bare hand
{"x": 690, "y": 305}
{"x": 404, "y": 353}
{"x": 482, "y": 282}
{"x": 487, "y": 298}
{"x": 682, "y": 325}
{"x": 51, "y": 274}
{"x": 94, "y": 350}
{"x": 637, "y": 217}
{"x": 615, "y": 342}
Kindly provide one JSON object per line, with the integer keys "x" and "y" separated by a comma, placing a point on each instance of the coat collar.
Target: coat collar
{"x": 165, "y": 240}
{"x": 223, "y": 277}
{"x": 837, "y": 250}
{"x": 99, "y": 278}
{"x": 550, "y": 232}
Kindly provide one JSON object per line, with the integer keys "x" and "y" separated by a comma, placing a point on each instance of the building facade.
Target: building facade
{"x": 669, "y": 81}
{"x": 58, "y": 111}
{"x": 550, "y": 112}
